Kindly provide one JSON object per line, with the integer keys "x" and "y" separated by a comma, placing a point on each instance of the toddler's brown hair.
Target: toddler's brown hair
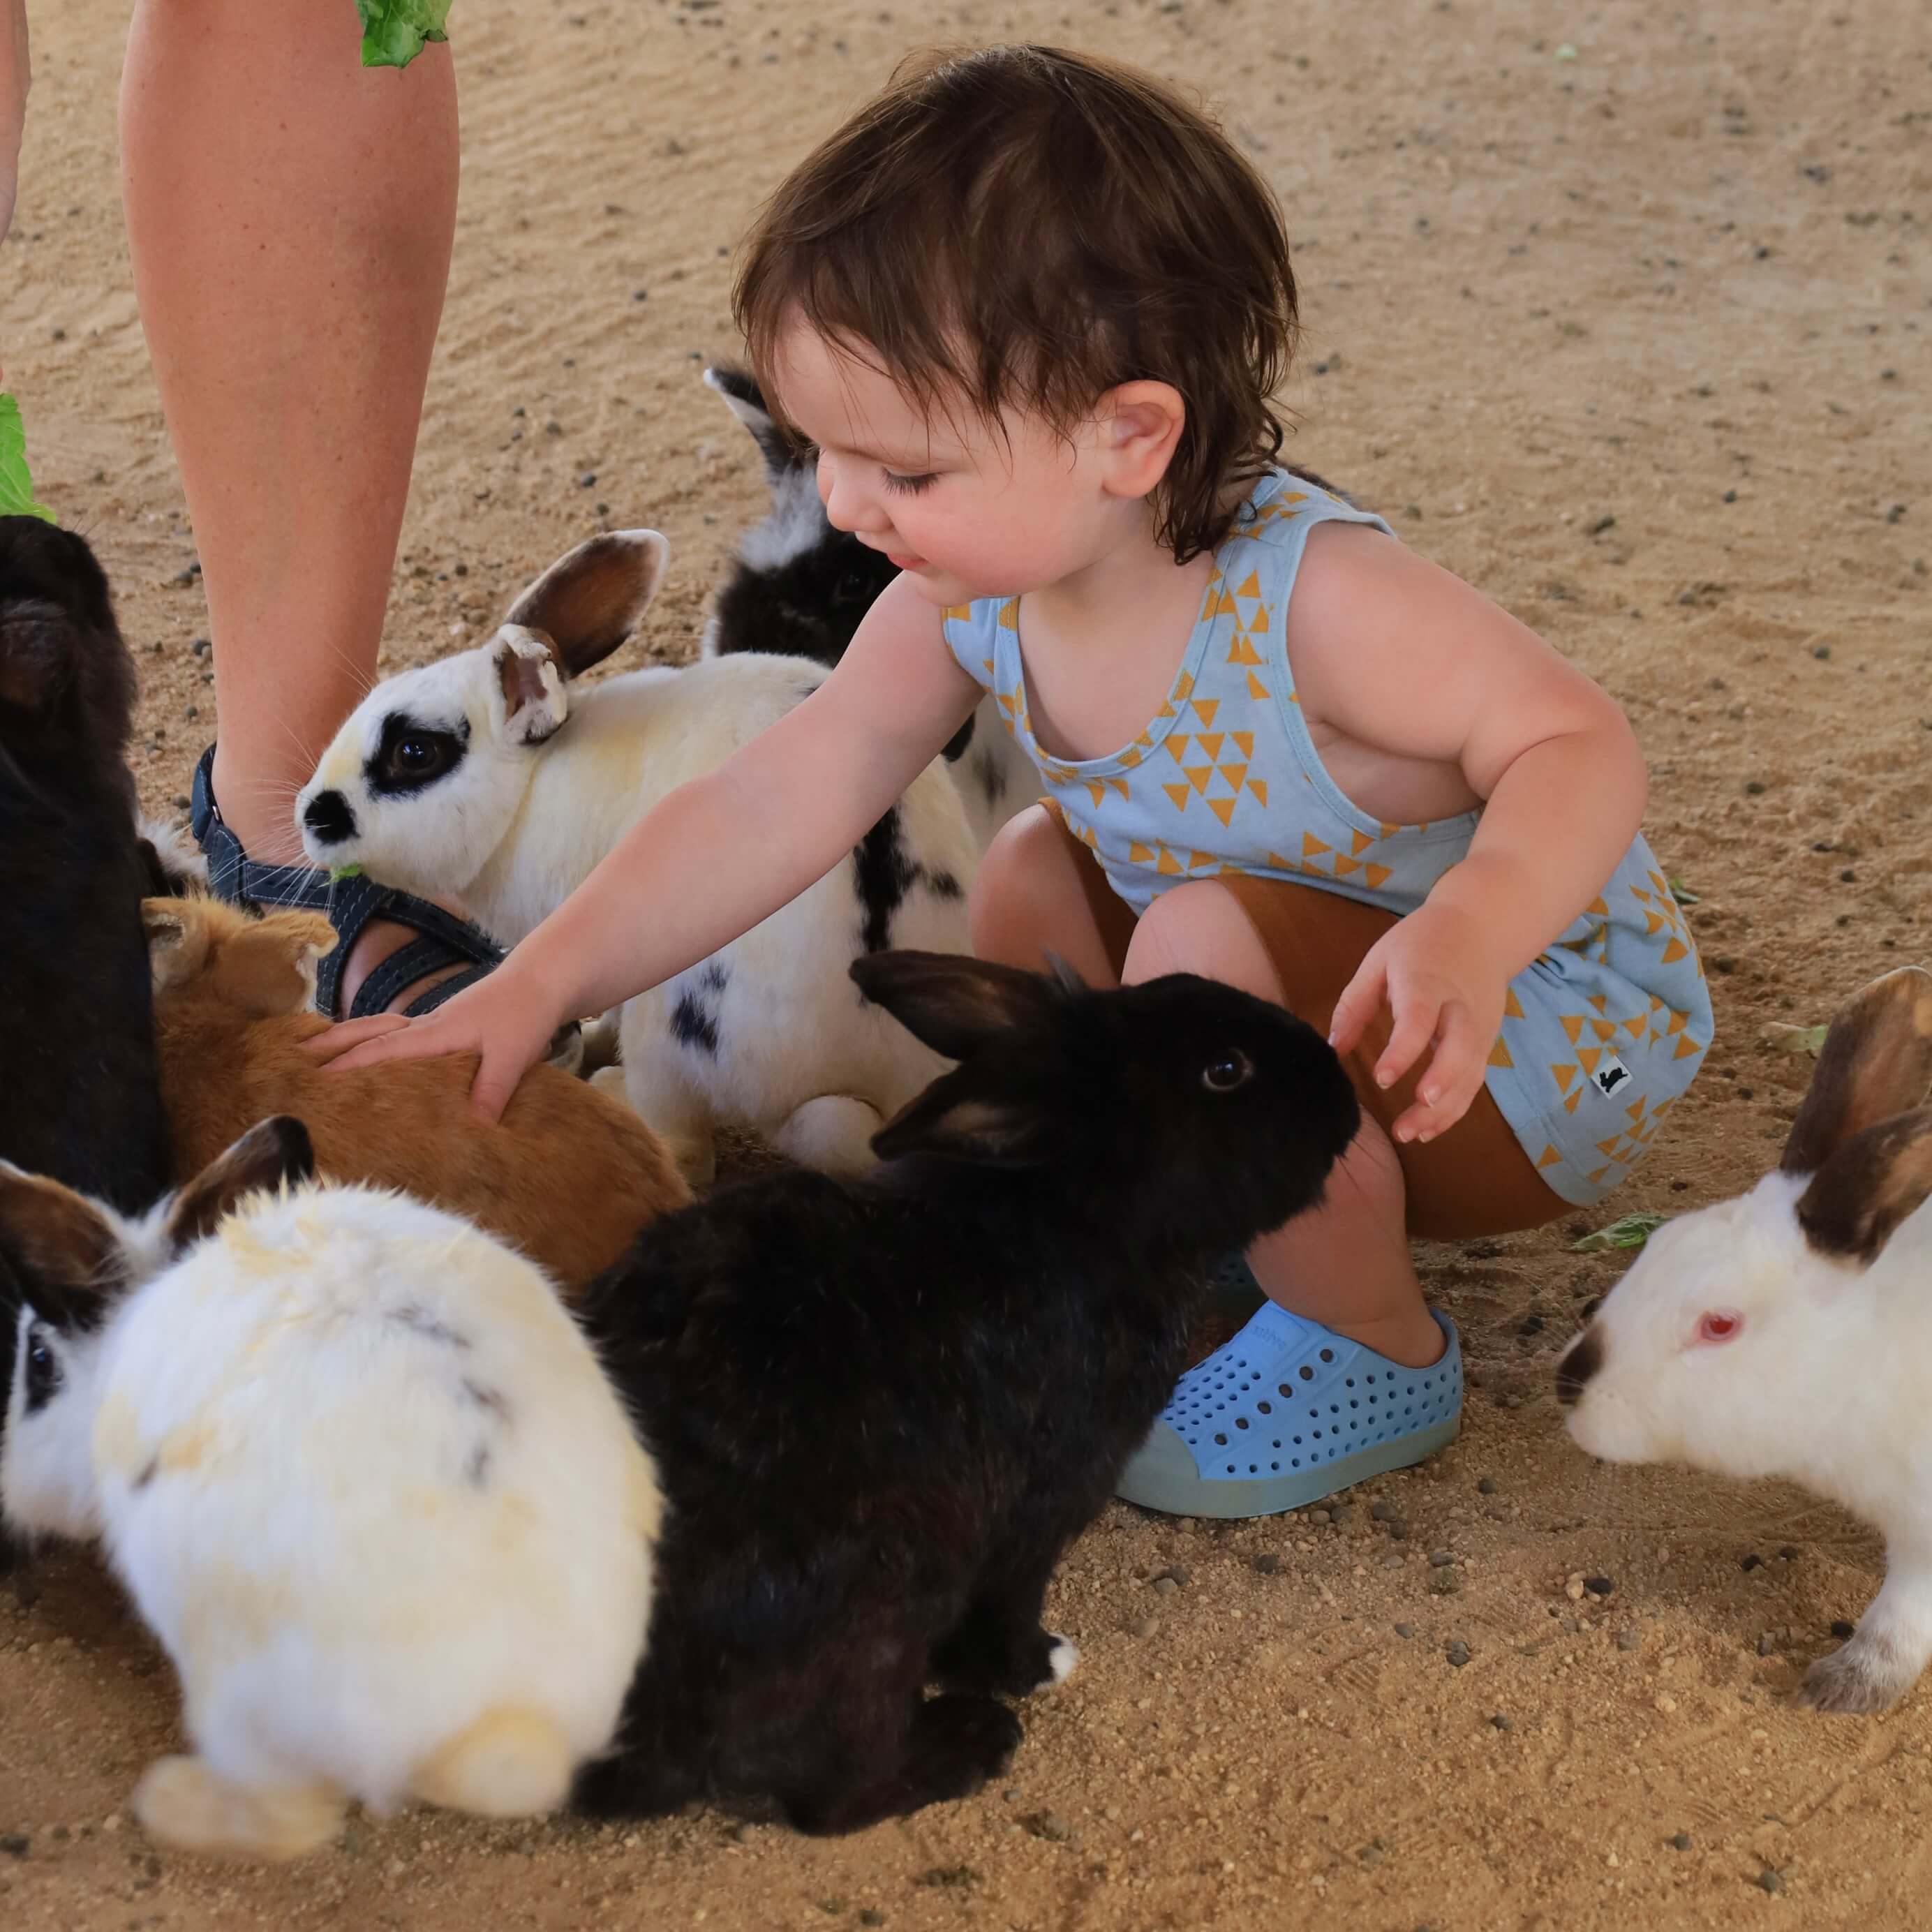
{"x": 1024, "y": 226}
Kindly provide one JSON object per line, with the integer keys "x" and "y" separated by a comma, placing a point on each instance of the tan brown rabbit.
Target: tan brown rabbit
{"x": 567, "y": 1176}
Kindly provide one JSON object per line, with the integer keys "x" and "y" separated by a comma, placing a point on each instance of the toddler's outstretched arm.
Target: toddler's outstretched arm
{"x": 711, "y": 860}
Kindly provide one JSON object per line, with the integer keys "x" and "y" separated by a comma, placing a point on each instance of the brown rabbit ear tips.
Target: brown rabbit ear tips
{"x": 68, "y": 1260}
{"x": 1858, "y": 1198}
{"x": 273, "y": 1154}
{"x": 1876, "y": 1062}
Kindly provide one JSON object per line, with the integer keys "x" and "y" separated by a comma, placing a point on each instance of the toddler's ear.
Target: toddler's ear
{"x": 1140, "y": 423}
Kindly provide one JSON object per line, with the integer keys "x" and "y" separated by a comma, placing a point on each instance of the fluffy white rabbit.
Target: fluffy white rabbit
{"x": 362, "y": 1476}
{"x": 489, "y": 776}
{"x": 1788, "y": 1333}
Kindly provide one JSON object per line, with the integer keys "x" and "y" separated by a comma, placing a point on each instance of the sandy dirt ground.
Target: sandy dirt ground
{"x": 1620, "y": 310}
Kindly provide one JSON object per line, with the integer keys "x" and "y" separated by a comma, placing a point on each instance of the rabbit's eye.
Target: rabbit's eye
{"x": 1719, "y": 1324}
{"x": 44, "y": 1371}
{"x": 415, "y": 754}
{"x": 854, "y": 587}
{"x": 1226, "y": 1072}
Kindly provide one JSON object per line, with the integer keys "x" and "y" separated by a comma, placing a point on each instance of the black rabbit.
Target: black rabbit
{"x": 882, "y": 1408}
{"x": 79, "y": 1097}
{"x": 80, "y": 1102}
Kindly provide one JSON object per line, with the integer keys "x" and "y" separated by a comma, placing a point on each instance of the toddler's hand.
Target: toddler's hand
{"x": 500, "y": 1018}
{"x": 1445, "y": 990}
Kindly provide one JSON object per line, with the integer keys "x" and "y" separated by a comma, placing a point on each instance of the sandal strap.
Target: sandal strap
{"x": 232, "y": 874}
{"x": 403, "y": 967}
{"x": 447, "y": 989}
{"x": 349, "y": 903}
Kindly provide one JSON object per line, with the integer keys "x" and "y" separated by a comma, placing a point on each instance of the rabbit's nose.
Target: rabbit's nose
{"x": 1585, "y": 1358}
{"x": 327, "y": 816}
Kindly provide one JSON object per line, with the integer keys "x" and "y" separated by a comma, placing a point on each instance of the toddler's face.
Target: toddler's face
{"x": 968, "y": 508}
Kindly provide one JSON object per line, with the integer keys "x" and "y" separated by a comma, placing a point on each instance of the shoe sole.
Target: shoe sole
{"x": 1271, "y": 1495}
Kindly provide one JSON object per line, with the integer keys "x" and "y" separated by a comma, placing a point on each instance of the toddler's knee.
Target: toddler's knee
{"x": 1200, "y": 927}
{"x": 1013, "y": 881}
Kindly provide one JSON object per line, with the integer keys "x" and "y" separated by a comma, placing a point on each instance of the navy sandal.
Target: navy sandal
{"x": 349, "y": 903}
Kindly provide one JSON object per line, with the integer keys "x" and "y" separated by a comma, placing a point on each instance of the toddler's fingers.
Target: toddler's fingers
{"x": 1415, "y": 1028}
{"x": 1360, "y": 998}
{"x": 417, "y": 1041}
{"x": 1454, "y": 1073}
{"x": 347, "y": 1034}
{"x": 496, "y": 1079}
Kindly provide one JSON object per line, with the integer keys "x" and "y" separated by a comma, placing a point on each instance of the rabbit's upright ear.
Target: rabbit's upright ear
{"x": 955, "y": 1004}
{"x": 746, "y": 401}
{"x": 178, "y": 939}
{"x": 1867, "y": 1186}
{"x": 67, "y": 1257}
{"x": 591, "y": 598}
{"x": 269, "y": 1153}
{"x": 1876, "y": 1061}
{"x": 268, "y": 967}
{"x": 960, "y": 1117}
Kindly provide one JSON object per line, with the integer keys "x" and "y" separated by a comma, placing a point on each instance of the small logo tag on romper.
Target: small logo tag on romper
{"x": 1609, "y": 1075}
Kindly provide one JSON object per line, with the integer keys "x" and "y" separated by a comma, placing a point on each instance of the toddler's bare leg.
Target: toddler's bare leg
{"x": 1030, "y": 899}
{"x": 1346, "y": 1263}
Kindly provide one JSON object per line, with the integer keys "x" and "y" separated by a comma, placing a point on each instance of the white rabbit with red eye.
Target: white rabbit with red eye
{"x": 1788, "y": 1333}
{"x": 362, "y": 1476}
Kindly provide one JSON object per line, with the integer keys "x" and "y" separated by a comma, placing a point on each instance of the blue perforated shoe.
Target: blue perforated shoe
{"x": 1288, "y": 1412}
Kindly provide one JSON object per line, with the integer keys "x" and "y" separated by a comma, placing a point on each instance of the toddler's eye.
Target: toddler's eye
{"x": 909, "y": 486}
{"x": 1719, "y": 1324}
{"x": 1227, "y": 1071}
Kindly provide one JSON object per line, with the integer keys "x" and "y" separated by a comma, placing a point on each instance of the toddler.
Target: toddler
{"x": 1030, "y": 308}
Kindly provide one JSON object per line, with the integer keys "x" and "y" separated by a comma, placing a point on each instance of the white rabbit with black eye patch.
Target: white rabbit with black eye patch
{"x": 492, "y": 777}
{"x": 1788, "y": 1333}
{"x": 361, "y": 1473}
{"x": 799, "y": 586}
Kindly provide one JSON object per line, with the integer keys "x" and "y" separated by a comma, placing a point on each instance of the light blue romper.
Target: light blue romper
{"x": 1601, "y": 1032}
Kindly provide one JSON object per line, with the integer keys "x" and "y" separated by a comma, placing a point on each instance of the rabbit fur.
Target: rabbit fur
{"x": 567, "y": 1177}
{"x": 798, "y": 586}
{"x": 882, "y": 1408}
{"x": 361, "y": 1474}
{"x": 489, "y": 776}
{"x": 81, "y": 1101}
{"x": 1788, "y": 1332}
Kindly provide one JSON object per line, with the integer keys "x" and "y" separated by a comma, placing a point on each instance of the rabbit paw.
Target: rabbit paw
{"x": 1865, "y": 1675}
{"x": 181, "y": 1802}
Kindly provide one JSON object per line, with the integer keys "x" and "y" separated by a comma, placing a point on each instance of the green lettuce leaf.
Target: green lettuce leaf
{"x": 394, "y": 31}
{"x": 16, "y": 487}
{"x": 1632, "y": 1231}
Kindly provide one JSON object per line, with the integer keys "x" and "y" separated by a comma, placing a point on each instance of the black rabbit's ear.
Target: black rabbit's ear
{"x": 955, "y": 1004}
{"x": 273, "y": 1151}
{"x": 65, "y": 1255}
{"x": 746, "y": 401}
{"x": 957, "y": 1120}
